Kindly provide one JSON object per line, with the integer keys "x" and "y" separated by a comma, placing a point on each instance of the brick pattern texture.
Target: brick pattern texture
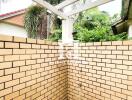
{"x": 30, "y": 70}
{"x": 103, "y": 71}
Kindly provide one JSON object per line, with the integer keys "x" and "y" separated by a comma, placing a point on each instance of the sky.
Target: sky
{"x": 13, "y": 5}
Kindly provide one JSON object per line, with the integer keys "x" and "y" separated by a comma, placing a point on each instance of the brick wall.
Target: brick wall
{"x": 102, "y": 72}
{"x": 30, "y": 70}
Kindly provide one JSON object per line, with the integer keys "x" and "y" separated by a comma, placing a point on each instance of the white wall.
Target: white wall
{"x": 7, "y": 29}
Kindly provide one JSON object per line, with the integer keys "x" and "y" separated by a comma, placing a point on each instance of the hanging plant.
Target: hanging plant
{"x": 33, "y": 19}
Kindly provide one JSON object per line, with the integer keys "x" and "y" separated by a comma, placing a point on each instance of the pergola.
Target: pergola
{"x": 67, "y": 19}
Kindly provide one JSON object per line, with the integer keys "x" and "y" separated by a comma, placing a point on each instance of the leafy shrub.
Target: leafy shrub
{"x": 33, "y": 18}
{"x": 56, "y": 35}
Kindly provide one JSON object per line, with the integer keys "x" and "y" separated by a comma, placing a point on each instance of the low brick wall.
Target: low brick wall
{"x": 102, "y": 72}
{"x": 30, "y": 70}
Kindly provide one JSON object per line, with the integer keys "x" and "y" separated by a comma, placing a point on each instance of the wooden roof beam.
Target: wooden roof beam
{"x": 88, "y": 5}
{"x": 51, "y": 8}
{"x": 65, "y": 3}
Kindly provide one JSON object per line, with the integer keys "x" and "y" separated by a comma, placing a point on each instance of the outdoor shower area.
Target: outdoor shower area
{"x": 31, "y": 70}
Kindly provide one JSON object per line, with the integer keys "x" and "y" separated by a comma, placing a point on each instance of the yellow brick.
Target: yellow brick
{"x": 25, "y": 79}
{"x": 129, "y": 98}
{"x": 22, "y": 45}
{"x": 30, "y": 72}
{"x": 36, "y": 66}
{"x": 116, "y": 89}
{"x": 97, "y": 43}
{"x": 31, "y": 93}
{"x": 35, "y": 46}
{"x": 44, "y": 46}
{"x": 121, "y": 76}
{"x": 127, "y": 82}
{"x": 19, "y": 39}
{"x": 5, "y": 92}
{"x": 122, "y": 57}
{"x": 40, "y": 51}
{"x": 6, "y": 38}
{"x": 47, "y": 51}
{"x": 122, "y": 86}
{"x": 24, "y": 57}
{"x": 110, "y": 65}
{"x": 22, "y": 97}
{"x": 127, "y": 52}
{"x": 11, "y": 57}
{"x": 127, "y": 72}
{"x": 25, "y": 90}
{"x": 129, "y": 42}
{"x": 25, "y": 68}
{"x": 1, "y": 86}
{"x": 18, "y": 63}
{"x": 121, "y": 95}
{"x": 40, "y": 60}
{"x": 51, "y": 47}
{"x": 1, "y": 58}
{"x": 116, "y": 71}
{"x": 35, "y": 76}
{"x": 30, "y": 51}
{"x": 115, "y": 98}
{"x": 122, "y": 47}
{"x": 121, "y": 66}
{"x": 12, "y": 95}
{"x": 32, "y": 82}
{"x": 18, "y": 51}
{"x": 35, "y": 86}
{"x": 117, "y": 61}
{"x": 29, "y": 62}
{"x": 5, "y": 78}
{"x": 117, "y": 52}
{"x": 130, "y": 78}
{"x": 126, "y": 62}
{"x": 11, "y": 45}
{"x": 19, "y": 87}
{"x": 29, "y": 40}
{"x": 5, "y": 65}
{"x": 1, "y": 44}
{"x": 115, "y": 80}
{"x": 18, "y": 75}
{"x": 11, "y": 83}
{"x": 35, "y": 56}
{"x": 1, "y": 72}
{"x": 11, "y": 70}
{"x": 5, "y": 51}
{"x": 110, "y": 47}
{"x": 36, "y": 95}
{"x": 40, "y": 42}
{"x": 127, "y": 92}
{"x": 116, "y": 42}
{"x": 106, "y": 43}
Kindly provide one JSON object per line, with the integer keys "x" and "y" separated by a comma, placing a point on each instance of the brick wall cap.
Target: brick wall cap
{"x": 29, "y": 40}
{"x": 6, "y": 38}
{"x": 19, "y": 39}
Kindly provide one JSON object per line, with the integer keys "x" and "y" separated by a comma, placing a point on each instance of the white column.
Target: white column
{"x": 130, "y": 32}
{"x": 67, "y": 30}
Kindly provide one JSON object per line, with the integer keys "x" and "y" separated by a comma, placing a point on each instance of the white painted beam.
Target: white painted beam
{"x": 51, "y": 8}
{"x": 88, "y": 5}
{"x": 65, "y": 3}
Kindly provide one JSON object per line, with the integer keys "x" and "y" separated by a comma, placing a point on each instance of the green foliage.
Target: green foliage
{"x": 56, "y": 35}
{"x": 94, "y": 26}
{"x": 33, "y": 19}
